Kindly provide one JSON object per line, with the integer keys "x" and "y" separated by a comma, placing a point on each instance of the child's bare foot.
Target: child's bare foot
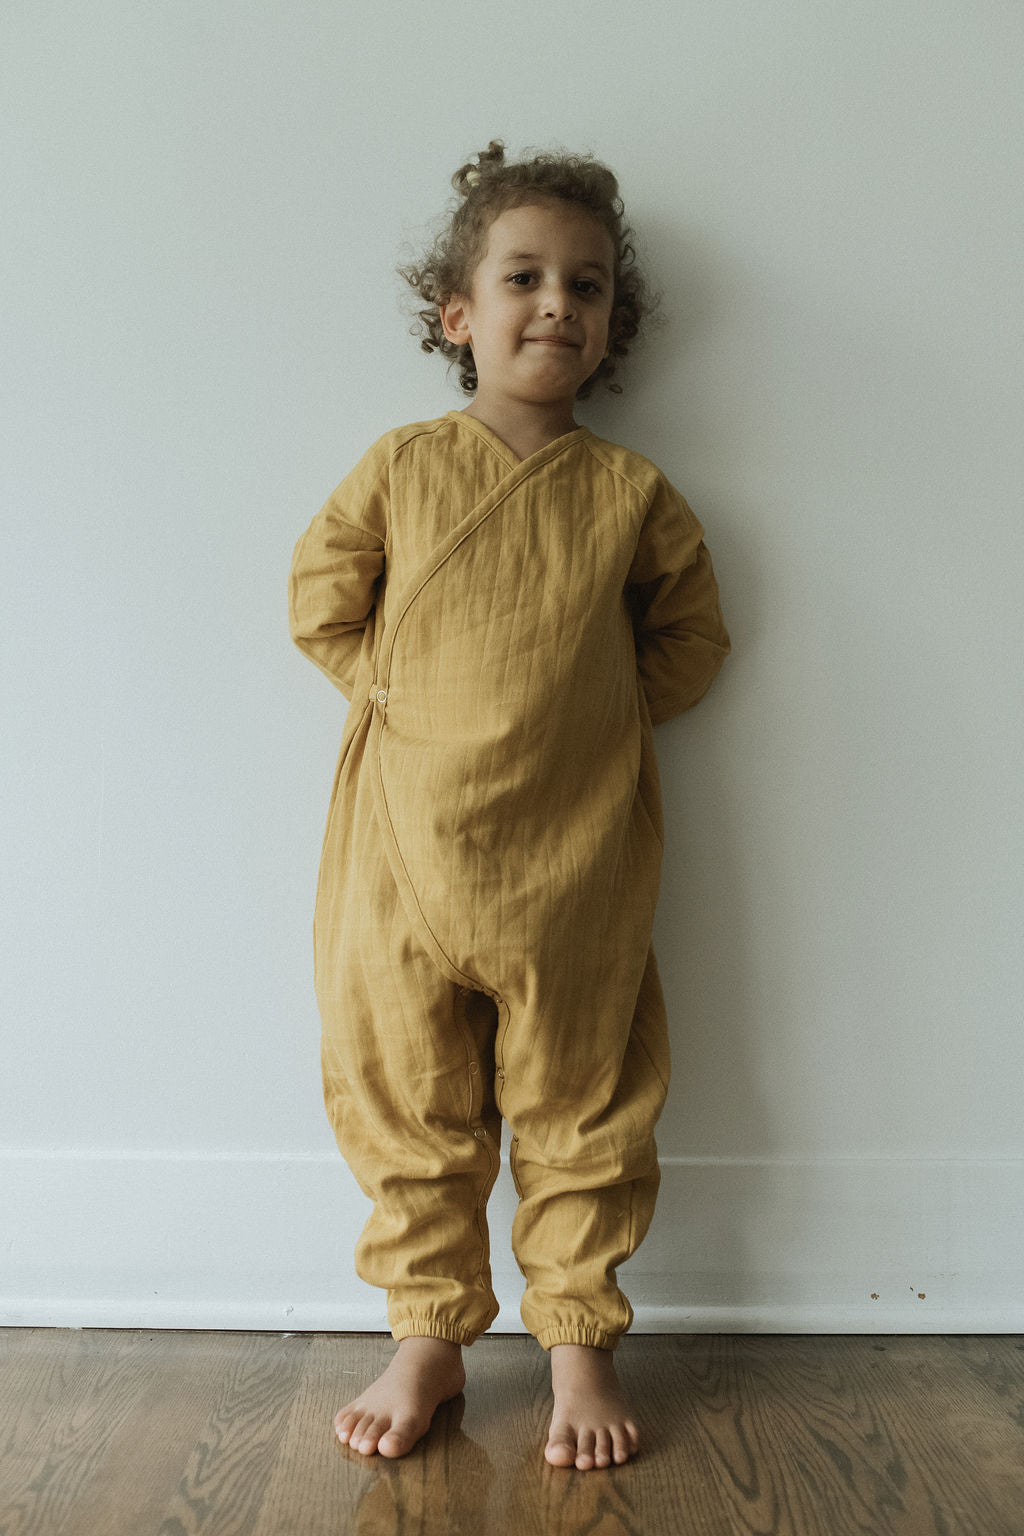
{"x": 591, "y": 1425}
{"x": 396, "y": 1410}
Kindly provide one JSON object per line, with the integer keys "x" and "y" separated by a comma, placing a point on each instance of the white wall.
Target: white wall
{"x": 203, "y": 206}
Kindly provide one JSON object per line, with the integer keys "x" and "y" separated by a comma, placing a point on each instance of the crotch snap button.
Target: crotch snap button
{"x": 381, "y": 695}
{"x": 480, "y": 1133}
{"x": 501, "y": 1071}
{"x": 472, "y": 1066}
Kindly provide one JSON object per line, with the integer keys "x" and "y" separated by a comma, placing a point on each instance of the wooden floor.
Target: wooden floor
{"x": 106, "y": 1432}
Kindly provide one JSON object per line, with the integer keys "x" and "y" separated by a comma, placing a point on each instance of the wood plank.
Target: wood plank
{"x": 176, "y": 1379}
{"x": 941, "y": 1405}
{"x": 39, "y": 1367}
{"x": 998, "y": 1359}
{"x": 108, "y": 1450}
{"x": 842, "y": 1434}
{"x": 990, "y": 1426}
{"x": 314, "y": 1473}
{"x": 229, "y": 1465}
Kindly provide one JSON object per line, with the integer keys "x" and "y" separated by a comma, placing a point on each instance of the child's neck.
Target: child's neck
{"x": 524, "y": 426}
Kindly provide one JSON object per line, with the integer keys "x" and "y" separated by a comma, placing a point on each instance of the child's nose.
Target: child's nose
{"x": 559, "y": 303}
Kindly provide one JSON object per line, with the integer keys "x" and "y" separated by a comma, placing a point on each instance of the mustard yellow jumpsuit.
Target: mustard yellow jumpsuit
{"x": 507, "y": 631}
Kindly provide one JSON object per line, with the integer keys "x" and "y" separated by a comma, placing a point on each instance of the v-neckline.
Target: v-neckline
{"x": 502, "y": 449}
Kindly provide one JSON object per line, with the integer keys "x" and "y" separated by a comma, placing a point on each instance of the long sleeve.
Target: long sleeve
{"x": 681, "y": 640}
{"x": 336, "y": 567}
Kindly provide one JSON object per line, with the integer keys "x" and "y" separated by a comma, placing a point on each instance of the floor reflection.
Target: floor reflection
{"x": 442, "y": 1488}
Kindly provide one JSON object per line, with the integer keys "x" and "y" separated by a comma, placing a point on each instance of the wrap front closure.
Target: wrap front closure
{"x": 378, "y": 694}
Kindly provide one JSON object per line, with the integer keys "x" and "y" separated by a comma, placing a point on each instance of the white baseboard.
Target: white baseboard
{"x": 858, "y": 1245}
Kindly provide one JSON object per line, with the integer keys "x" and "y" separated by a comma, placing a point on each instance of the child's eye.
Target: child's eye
{"x": 583, "y": 285}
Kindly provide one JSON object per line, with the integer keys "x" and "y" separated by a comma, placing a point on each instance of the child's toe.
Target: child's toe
{"x": 401, "y": 1437}
{"x": 560, "y": 1450}
{"x": 585, "y": 1449}
{"x": 622, "y": 1447}
{"x": 343, "y": 1423}
{"x": 602, "y": 1448}
{"x": 366, "y": 1434}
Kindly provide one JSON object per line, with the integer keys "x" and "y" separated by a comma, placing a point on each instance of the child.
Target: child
{"x": 510, "y": 603}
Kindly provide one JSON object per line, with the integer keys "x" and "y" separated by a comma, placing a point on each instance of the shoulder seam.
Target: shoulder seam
{"x": 613, "y": 470}
{"x": 414, "y": 430}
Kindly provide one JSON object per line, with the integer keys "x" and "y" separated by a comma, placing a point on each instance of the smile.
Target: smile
{"x": 551, "y": 341}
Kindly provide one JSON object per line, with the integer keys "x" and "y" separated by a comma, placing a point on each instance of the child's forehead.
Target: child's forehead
{"x": 528, "y": 227}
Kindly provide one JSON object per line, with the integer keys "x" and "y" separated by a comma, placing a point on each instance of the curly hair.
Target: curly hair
{"x": 487, "y": 186}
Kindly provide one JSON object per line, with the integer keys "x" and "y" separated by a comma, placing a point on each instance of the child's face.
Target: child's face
{"x": 540, "y": 301}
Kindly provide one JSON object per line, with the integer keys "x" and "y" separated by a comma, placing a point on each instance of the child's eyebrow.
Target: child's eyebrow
{"x": 598, "y": 266}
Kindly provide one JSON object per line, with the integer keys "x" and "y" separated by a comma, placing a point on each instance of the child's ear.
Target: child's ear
{"x": 454, "y": 321}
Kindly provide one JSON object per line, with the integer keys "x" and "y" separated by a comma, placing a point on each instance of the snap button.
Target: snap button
{"x": 472, "y": 1066}
{"x": 501, "y": 1071}
{"x": 480, "y": 1133}
{"x": 381, "y": 695}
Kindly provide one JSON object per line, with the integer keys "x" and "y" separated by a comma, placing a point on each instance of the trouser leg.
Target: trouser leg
{"x": 584, "y": 1158}
{"x": 407, "y": 1061}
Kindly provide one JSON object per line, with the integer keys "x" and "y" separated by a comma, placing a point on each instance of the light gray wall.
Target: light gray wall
{"x": 203, "y": 206}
